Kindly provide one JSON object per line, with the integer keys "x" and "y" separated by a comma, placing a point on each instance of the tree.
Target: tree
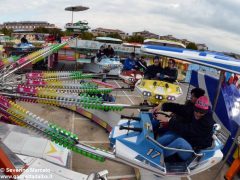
{"x": 100, "y": 35}
{"x": 6, "y": 31}
{"x": 55, "y": 31}
{"x": 192, "y": 45}
{"x": 135, "y": 39}
{"x": 67, "y": 33}
{"x": 41, "y": 30}
{"x": 86, "y": 36}
{"x": 114, "y": 35}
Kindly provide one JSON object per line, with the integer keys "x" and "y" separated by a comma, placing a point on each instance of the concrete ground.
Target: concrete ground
{"x": 91, "y": 133}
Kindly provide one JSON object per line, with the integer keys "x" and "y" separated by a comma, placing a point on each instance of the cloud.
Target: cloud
{"x": 214, "y": 23}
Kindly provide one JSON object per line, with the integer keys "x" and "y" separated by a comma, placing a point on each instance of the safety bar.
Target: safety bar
{"x": 130, "y": 118}
{"x": 131, "y": 128}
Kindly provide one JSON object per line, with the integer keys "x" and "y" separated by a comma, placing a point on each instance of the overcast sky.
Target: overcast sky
{"x": 213, "y": 22}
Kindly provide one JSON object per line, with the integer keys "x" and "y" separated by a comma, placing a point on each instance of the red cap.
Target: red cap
{"x": 202, "y": 103}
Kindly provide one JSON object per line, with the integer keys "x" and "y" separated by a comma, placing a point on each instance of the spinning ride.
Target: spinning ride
{"x": 126, "y": 138}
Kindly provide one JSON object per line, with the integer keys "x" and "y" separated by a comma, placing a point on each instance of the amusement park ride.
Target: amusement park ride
{"x": 110, "y": 66}
{"x": 80, "y": 26}
{"x": 104, "y": 64}
{"x": 132, "y": 139}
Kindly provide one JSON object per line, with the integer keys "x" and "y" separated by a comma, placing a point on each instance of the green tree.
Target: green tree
{"x": 135, "y": 39}
{"x": 41, "y": 30}
{"x": 192, "y": 45}
{"x": 67, "y": 33}
{"x": 86, "y": 36}
{"x": 55, "y": 31}
{"x": 6, "y": 31}
{"x": 100, "y": 35}
{"x": 114, "y": 35}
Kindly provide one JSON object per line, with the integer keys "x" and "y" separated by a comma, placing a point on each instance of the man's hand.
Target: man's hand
{"x": 156, "y": 109}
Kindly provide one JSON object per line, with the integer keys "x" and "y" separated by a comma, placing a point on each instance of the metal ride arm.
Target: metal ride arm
{"x": 126, "y": 106}
{"x": 56, "y": 79}
{"x": 30, "y": 58}
{"x": 20, "y": 116}
{"x": 82, "y": 101}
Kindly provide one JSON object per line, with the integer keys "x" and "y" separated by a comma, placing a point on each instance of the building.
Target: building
{"x": 202, "y": 47}
{"x": 26, "y": 25}
{"x": 168, "y": 38}
{"x": 185, "y": 41}
{"x": 105, "y": 32}
{"x": 172, "y": 38}
{"x": 146, "y": 34}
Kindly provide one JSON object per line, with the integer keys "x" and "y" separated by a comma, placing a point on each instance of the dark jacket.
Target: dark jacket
{"x": 171, "y": 73}
{"x": 197, "y": 132}
{"x": 181, "y": 112}
{"x": 152, "y": 71}
{"x": 141, "y": 65}
{"x": 109, "y": 52}
{"x": 100, "y": 53}
{"x": 24, "y": 40}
